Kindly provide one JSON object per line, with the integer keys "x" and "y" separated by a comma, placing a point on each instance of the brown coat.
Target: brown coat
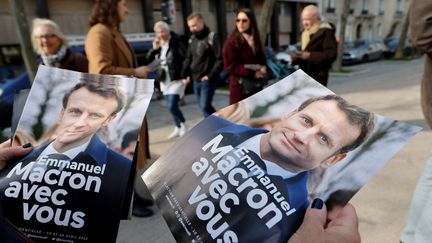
{"x": 323, "y": 51}
{"x": 421, "y": 31}
{"x": 108, "y": 52}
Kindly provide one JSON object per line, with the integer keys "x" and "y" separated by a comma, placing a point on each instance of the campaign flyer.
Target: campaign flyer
{"x": 248, "y": 172}
{"x": 74, "y": 185}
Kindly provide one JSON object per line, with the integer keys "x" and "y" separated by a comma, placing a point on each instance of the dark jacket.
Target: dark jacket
{"x": 175, "y": 56}
{"x": 323, "y": 51}
{"x": 203, "y": 56}
{"x": 74, "y": 61}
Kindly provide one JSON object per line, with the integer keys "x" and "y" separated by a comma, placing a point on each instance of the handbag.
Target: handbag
{"x": 251, "y": 86}
{"x": 160, "y": 74}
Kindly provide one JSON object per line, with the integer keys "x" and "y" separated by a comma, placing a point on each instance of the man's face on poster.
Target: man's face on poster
{"x": 85, "y": 113}
{"x": 311, "y": 137}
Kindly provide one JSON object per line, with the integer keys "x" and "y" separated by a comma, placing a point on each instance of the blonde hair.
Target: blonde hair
{"x": 37, "y": 23}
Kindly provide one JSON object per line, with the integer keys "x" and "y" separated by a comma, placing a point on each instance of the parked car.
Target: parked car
{"x": 362, "y": 51}
{"x": 392, "y": 44}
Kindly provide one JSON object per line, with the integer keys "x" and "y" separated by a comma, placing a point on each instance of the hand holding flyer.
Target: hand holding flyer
{"x": 59, "y": 191}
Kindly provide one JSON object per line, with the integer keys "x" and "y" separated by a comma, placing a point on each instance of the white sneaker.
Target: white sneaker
{"x": 183, "y": 129}
{"x": 174, "y": 133}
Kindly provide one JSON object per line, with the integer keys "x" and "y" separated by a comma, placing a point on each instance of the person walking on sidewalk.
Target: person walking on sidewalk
{"x": 242, "y": 48}
{"x": 168, "y": 48}
{"x": 418, "y": 226}
{"x": 203, "y": 62}
{"x": 318, "y": 46}
{"x": 108, "y": 52}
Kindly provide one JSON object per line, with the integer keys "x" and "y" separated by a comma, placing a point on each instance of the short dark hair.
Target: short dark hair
{"x": 129, "y": 137}
{"x": 195, "y": 15}
{"x": 356, "y": 116}
{"x": 105, "y": 12}
{"x": 106, "y": 91}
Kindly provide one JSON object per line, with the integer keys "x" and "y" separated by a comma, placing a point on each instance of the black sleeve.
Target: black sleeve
{"x": 217, "y": 51}
{"x": 186, "y": 64}
{"x": 151, "y": 54}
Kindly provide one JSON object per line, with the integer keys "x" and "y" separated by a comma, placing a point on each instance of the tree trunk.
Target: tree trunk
{"x": 400, "y": 48}
{"x": 343, "y": 21}
{"x": 264, "y": 23}
{"x": 221, "y": 20}
{"x": 19, "y": 15}
{"x": 147, "y": 12}
{"x": 42, "y": 10}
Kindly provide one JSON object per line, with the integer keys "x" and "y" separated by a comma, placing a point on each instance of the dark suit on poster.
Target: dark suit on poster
{"x": 102, "y": 209}
{"x": 243, "y": 220}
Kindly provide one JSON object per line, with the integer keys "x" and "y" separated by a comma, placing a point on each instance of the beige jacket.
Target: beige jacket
{"x": 421, "y": 31}
{"x": 108, "y": 52}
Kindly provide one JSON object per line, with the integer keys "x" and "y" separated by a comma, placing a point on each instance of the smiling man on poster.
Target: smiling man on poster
{"x": 250, "y": 184}
{"x": 74, "y": 182}
{"x": 86, "y": 109}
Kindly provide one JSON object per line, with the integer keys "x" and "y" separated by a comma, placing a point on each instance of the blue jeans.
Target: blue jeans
{"x": 204, "y": 91}
{"x": 173, "y": 107}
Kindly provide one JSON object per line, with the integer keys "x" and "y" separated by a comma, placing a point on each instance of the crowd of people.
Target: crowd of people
{"x": 199, "y": 62}
{"x": 176, "y": 64}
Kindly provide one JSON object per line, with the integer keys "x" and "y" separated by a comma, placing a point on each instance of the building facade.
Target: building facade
{"x": 368, "y": 19}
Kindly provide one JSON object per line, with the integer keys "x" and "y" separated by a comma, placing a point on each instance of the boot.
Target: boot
{"x": 140, "y": 207}
{"x": 183, "y": 129}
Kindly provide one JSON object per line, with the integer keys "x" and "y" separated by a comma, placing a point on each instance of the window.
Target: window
{"x": 365, "y": 7}
{"x": 330, "y": 6}
{"x": 348, "y": 30}
{"x": 285, "y": 9}
{"x": 379, "y": 31}
{"x": 381, "y": 7}
{"x": 399, "y": 7}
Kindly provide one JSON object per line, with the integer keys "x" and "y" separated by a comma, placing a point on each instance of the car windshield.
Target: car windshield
{"x": 392, "y": 41}
{"x": 354, "y": 44}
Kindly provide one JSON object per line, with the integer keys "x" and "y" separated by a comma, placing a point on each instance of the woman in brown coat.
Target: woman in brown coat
{"x": 242, "y": 47}
{"x": 108, "y": 52}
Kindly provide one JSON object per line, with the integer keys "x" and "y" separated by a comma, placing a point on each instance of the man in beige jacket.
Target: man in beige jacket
{"x": 418, "y": 228}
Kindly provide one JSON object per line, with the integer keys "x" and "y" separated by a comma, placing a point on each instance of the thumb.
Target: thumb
{"x": 8, "y": 153}
{"x": 316, "y": 213}
{"x": 12, "y": 152}
{"x": 312, "y": 228}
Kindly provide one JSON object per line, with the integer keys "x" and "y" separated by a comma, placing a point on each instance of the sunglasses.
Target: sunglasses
{"x": 242, "y": 20}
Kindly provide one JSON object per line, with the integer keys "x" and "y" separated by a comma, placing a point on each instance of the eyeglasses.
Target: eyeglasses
{"x": 49, "y": 36}
{"x": 242, "y": 20}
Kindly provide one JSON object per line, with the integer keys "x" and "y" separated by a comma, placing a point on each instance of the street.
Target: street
{"x": 388, "y": 88}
